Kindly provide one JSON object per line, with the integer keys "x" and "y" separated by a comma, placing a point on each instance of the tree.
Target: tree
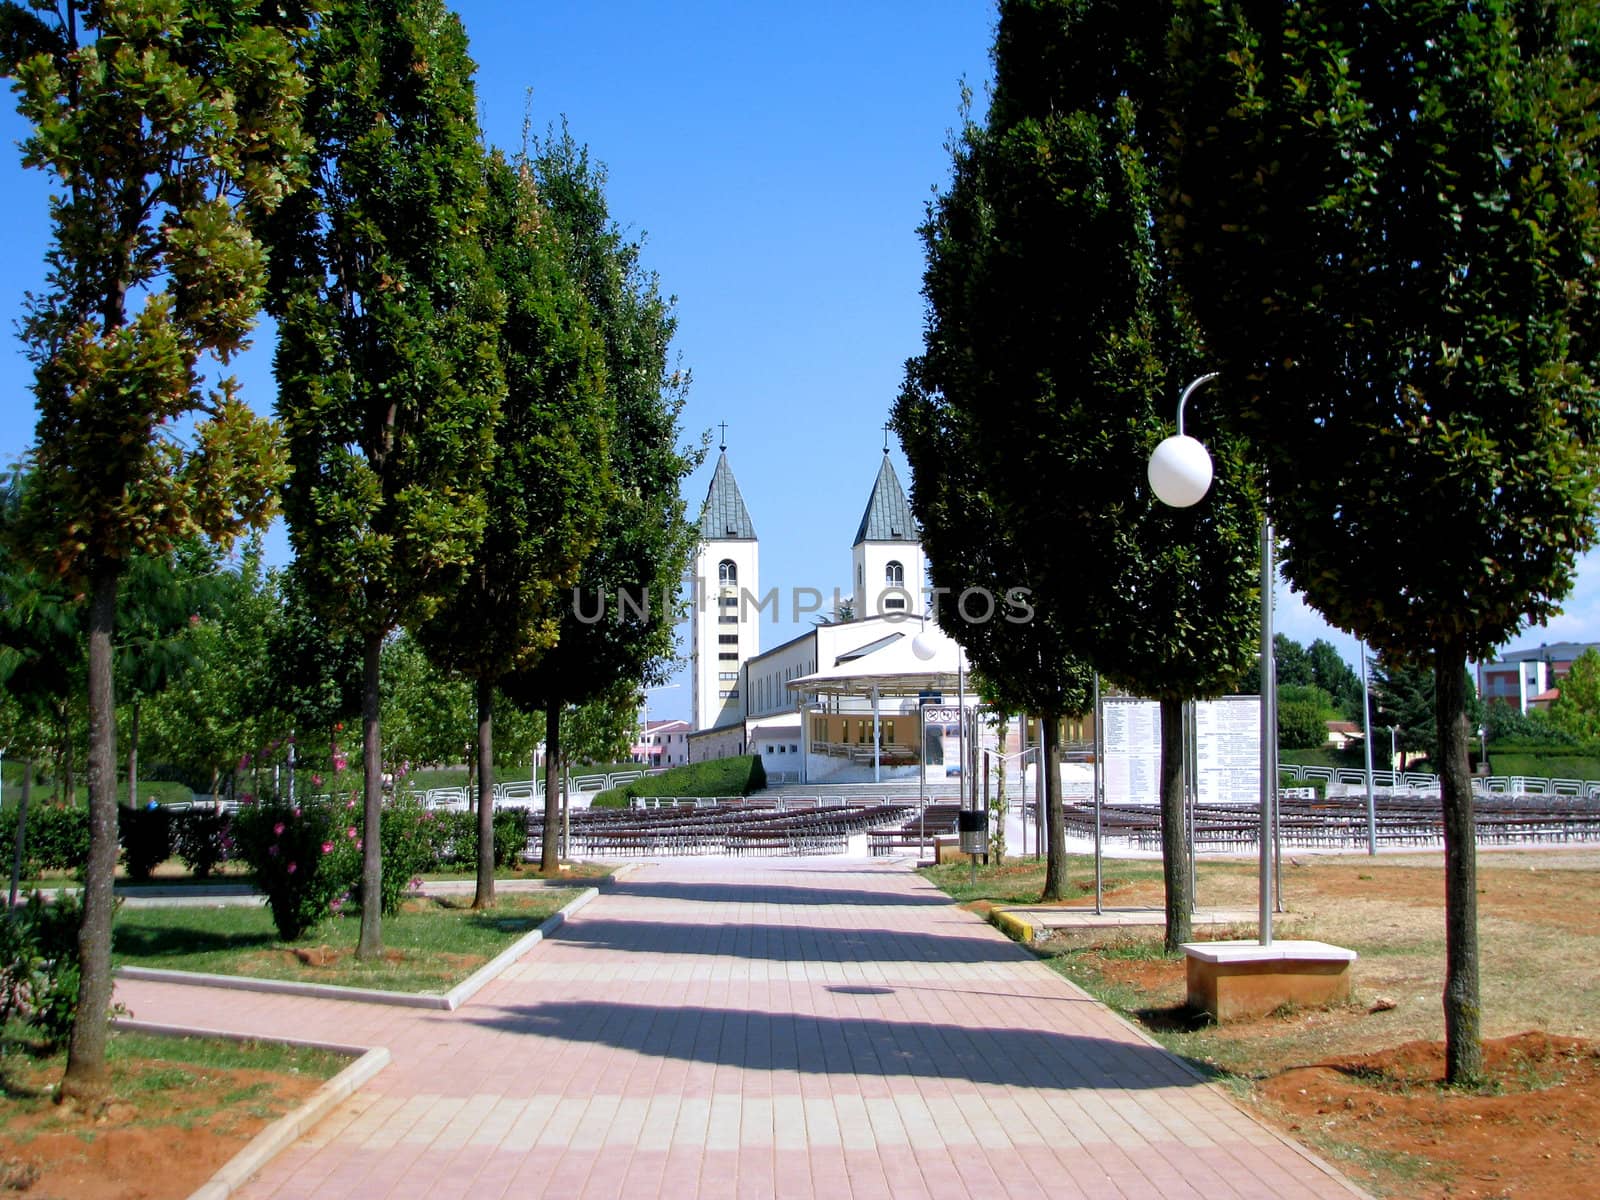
{"x": 1577, "y": 709}
{"x": 1333, "y": 675}
{"x": 1386, "y": 221}
{"x": 1025, "y": 667}
{"x": 1051, "y": 311}
{"x": 389, "y": 380}
{"x": 645, "y": 542}
{"x": 551, "y": 484}
{"x": 1404, "y": 701}
{"x": 161, "y": 599}
{"x": 166, "y": 125}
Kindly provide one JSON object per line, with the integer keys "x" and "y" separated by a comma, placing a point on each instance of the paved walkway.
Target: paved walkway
{"x": 754, "y": 1028}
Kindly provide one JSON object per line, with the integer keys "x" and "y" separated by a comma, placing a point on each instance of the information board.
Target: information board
{"x": 1132, "y": 745}
{"x": 1228, "y": 757}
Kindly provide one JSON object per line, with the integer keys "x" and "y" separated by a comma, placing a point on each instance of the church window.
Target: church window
{"x": 727, "y": 620}
{"x": 726, "y": 656}
{"x": 727, "y": 572}
{"x": 894, "y": 575}
{"x": 727, "y": 639}
{"x": 730, "y": 602}
{"x": 894, "y": 602}
{"x": 728, "y": 675}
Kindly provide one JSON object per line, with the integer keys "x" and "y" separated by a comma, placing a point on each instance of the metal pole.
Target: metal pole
{"x": 1191, "y": 794}
{"x": 922, "y": 779}
{"x": 1099, "y": 879}
{"x": 1269, "y": 723}
{"x": 1366, "y": 740}
{"x": 877, "y": 740}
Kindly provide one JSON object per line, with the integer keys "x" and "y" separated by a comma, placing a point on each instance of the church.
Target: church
{"x": 840, "y": 702}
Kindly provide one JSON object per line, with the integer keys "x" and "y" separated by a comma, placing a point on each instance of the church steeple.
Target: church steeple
{"x": 725, "y": 629}
{"x": 888, "y": 517}
{"x": 725, "y": 517}
{"x": 886, "y": 556}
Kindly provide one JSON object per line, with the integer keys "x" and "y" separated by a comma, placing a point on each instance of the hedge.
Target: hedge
{"x": 720, "y": 777}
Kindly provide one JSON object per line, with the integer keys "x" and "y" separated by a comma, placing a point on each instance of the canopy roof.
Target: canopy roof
{"x": 891, "y": 665}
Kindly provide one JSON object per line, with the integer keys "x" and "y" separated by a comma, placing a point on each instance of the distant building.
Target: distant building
{"x": 662, "y": 744}
{"x": 1529, "y": 679}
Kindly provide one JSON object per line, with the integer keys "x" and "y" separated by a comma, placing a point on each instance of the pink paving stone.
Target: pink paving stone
{"x": 746, "y": 1029}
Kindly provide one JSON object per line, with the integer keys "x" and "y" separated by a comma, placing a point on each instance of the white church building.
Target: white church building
{"x": 839, "y": 703}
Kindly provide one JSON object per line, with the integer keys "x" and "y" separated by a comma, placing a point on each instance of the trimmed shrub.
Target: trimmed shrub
{"x": 39, "y": 966}
{"x": 1301, "y": 726}
{"x": 202, "y": 839}
{"x": 146, "y": 837}
{"x": 719, "y": 777}
{"x": 58, "y": 837}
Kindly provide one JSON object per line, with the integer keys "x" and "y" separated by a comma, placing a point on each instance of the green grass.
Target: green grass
{"x": 441, "y": 777}
{"x": 1544, "y": 766}
{"x": 46, "y": 792}
{"x": 25, "y": 1065}
{"x": 430, "y": 947}
{"x": 1021, "y": 880}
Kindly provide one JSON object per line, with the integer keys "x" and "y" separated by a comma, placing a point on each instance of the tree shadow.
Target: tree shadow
{"x": 832, "y": 1045}
{"x": 768, "y": 893}
{"x": 136, "y": 942}
{"x": 786, "y": 943}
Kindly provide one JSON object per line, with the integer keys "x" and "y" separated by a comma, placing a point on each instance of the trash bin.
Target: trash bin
{"x": 973, "y": 826}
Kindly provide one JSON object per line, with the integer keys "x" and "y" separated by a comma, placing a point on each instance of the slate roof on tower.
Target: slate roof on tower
{"x": 888, "y": 516}
{"x": 724, "y": 517}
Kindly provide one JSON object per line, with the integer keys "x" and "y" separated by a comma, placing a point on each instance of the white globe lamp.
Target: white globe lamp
{"x": 1180, "y": 471}
{"x": 923, "y": 646}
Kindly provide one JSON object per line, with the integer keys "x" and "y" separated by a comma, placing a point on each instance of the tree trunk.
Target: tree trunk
{"x": 1463, "y": 1051}
{"x": 1174, "y": 835}
{"x": 485, "y": 895}
{"x": 86, "y": 1080}
{"x": 549, "y": 859}
{"x": 1055, "y": 861}
{"x": 22, "y": 830}
{"x": 133, "y": 758}
{"x": 371, "y": 944}
{"x": 69, "y": 780}
{"x": 472, "y": 778}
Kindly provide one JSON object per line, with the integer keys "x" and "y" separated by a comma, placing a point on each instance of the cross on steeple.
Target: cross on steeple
{"x": 887, "y": 426}
{"x": 724, "y": 427}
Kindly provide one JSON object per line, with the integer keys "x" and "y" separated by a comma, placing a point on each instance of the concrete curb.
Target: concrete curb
{"x": 447, "y": 1002}
{"x": 1013, "y": 926}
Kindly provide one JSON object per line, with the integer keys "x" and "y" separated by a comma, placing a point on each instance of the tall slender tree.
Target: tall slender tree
{"x": 1054, "y": 321}
{"x": 1386, "y": 219}
{"x": 551, "y": 482}
{"x": 165, "y": 125}
{"x": 645, "y": 542}
{"x": 388, "y": 372}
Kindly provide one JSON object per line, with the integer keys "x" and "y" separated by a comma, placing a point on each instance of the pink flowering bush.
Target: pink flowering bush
{"x": 285, "y": 848}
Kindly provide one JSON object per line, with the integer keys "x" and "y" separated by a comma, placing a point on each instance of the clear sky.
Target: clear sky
{"x": 777, "y": 159}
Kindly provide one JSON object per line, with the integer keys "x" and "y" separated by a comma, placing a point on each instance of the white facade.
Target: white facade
{"x": 725, "y": 621}
{"x": 889, "y": 579}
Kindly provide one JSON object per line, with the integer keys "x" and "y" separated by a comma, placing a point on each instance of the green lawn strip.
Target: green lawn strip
{"x": 28, "y": 1072}
{"x": 430, "y": 947}
{"x": 586, "y": 871}
{"x": 1021, "y": 880}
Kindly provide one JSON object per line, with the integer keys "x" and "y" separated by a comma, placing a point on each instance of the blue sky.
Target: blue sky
{"x": 777, "y": 159}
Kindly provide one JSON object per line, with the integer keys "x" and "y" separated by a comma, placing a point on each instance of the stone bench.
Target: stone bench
{"x": 1236, "y": 980}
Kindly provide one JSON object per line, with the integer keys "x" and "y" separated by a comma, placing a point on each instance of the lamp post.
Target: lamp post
{"x": 1180, "y": 475}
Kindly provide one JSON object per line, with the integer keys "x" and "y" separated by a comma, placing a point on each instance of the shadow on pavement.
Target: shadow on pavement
{"x": 785, "y": 943}
{"x": 766, "y": 893}
{"x": 863, "y": 1046}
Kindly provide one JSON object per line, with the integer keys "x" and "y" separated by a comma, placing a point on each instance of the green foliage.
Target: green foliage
{"x": 299, "y": 861}
{"x": 1062, "y": 184}
{"x": 388, "y": 380}
{"x": 645, "y": 542}
{"x": 202, "y": 840}
{"x": 39, "y": 968}
{"x": 1577, "y": 709}
{"x": 1388, "y": 229}
{"x": 427, "y": 713}
{"x": 58, "y": 837}
{"x": 719, "y": 777}
{"x": 146, "y": 838}
{"x": 1506, "y": 724}
{"x": 1301, "y": 724}
{"x": 405, "y": 851}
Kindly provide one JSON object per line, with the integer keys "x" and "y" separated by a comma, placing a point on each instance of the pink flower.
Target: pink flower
{"x": 340, "y": 762}
{"x": 277, "y": 830}
{"x": 350, "y": 833}
{"x": 327, "y": 847}
{"x": 297, "y": 810}
{"x": 416, "y": 883}
{"x": 292, "y": 868}
{"x": 316, "y": 781}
